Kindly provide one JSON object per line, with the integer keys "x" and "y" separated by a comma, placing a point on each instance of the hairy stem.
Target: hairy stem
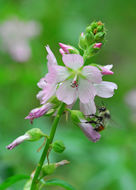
{"x": 46, "y": 148}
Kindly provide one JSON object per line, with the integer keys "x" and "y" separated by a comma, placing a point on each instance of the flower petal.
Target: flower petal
{"x": 86, "y": 91}
{"x": 51, "y": 58}
{"x": 46, "y": 93}
{"x": 105, "y": 89}
{"x": 89, "y": 131}
{"x": 66, "y": 93}
{"x": 18, "y": 141}
{"x": 88, "y": 108}
{"x": 42, "y": 83}
{"x": 73, "y": 61}
{"x": 93, "y": 74}
{"x": 61, "y": 51}
{"x": 62, "y": 73}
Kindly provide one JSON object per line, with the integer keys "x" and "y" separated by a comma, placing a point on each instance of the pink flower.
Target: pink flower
{"x": 18, "y": 141}
{"x": 97, "y": 45}
{"x": 89, "y": 131}
{"x": 74, "y": 81}
{"x": 106, "y": 70}
{"x": 38, "y": 112}
{"x": 84, "y": 82}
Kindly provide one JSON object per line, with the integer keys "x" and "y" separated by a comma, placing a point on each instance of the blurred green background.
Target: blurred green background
{"x": 106, "y": 165}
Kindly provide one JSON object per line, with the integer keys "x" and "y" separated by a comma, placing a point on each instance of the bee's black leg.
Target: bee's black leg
{"x": 93, "y": 115}
{"x": 92, "y": 121}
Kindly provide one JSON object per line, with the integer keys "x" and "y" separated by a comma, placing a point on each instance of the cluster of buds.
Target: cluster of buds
{"x": 92, "y": 39}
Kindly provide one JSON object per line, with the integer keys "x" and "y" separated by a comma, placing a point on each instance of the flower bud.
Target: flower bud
{"x": 31, "y": 135}
{"x": 88, "y": 29}
{"x": 61, "y": 51}
{"x": 67, "y": 49}
{"x": 38, "y": 112}
{"x": 92, "y": 50}
{"x": 106, "y": 70}
{"x": 89, "y": 38}
{"x": 48, "y": 169}
{"x": 82, "y": 41}
{"x": 99, "y": 37}
{"x": 58, "y": 146}
{"x": 100, "y": 28}
{"x": 97, "y": 45}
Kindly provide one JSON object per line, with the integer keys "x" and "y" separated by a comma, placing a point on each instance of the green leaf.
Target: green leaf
{"x": 58, "y": 182}
{"x": 11, "y": 180}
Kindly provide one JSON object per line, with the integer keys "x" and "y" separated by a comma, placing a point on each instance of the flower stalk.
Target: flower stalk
{"x": 49, "y": 141}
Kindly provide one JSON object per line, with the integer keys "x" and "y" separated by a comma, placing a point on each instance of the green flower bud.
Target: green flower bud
{"x": 89, "y": 38}
{"x": 93, "y": 25}
{"x": 100, "y": 28}
{"x": 48, "y": 169}
{"x": 88, "y": 29}
{"x": 58, "y": 146}
{"x": 99, "y": 36}
{"x": 82, "y": 41}
{"x": 35, "y": 134}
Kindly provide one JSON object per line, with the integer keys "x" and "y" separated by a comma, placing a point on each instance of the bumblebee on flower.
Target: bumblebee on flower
{"x": 60, "y": 89}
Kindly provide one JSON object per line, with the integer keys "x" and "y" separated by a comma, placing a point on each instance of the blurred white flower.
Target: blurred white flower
{"x": 15, "y": 35}
{"x": 130, "y": 99}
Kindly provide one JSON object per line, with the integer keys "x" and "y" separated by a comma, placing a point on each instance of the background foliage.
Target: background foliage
{"x": 107, "y": 164}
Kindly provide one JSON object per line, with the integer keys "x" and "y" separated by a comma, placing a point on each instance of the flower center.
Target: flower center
{"x": 74, "y": 84}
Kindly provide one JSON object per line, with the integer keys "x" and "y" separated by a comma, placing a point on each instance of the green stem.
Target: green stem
{"x": 49, "y": 141}
{"x": 84, "y": 56}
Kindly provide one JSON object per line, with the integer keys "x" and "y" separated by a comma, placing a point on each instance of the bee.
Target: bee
{"x": 101, "y": 119}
